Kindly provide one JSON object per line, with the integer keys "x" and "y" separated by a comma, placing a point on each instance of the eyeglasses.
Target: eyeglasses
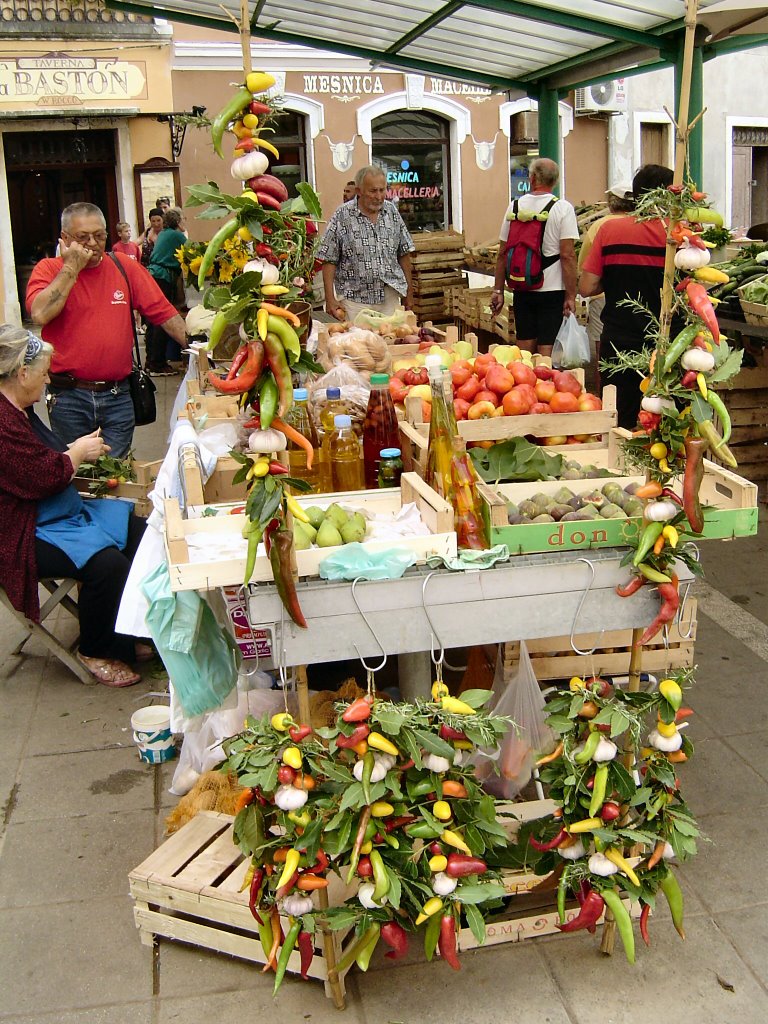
{"x": 84, "y": 237}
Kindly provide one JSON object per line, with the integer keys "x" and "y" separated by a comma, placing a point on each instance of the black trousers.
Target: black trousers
{"x": 102, "y": 577}
{"x": 628, "y": 393}
{"x": 156, "y": 340}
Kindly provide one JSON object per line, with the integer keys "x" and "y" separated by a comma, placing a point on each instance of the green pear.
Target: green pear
{"x": 309, "y": 529}
{"x": 328, "y": 536}
{"x": 301, "y": 539}
{"x": 352, "y": 532}
{"x": 463, "y": 350}
{"x": 336, "y": 514}
{"x": 316, "y": 515}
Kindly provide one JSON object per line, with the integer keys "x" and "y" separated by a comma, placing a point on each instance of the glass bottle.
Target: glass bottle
{"x": 300, "y": 420}
{"x": 380, "y": 429}
{"x": 390, "y": 467}
{"x": 345, "y": 456}
{"x": 332, "y": 407}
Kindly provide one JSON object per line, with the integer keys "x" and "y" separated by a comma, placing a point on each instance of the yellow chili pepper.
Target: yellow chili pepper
{"x": 456, "y": 707}
{"x": 366, "y": 847}
{"x": 291, "y": 864}
{"x": 438, "y": 863}
{"x": 263, "y": 144}
{"x": 442, "y": 810}
{"x": 463, "y": 745}
{"x": 454, "y": 839}
{"x": 292, "y": 757}
{"x": 702, "y": 383}
{"x": 664, "y": 465}
{"x": 576, "y": 684}
{"x": 439, "y": 689}
{"x": 585, "y": 825}
{"x": 260, "y": 468}
{"x": 672, "y": 535}
{"x": 379, "y": 742}
{"x": 282, "y": 722}
{"x": 616, "y": 858}
{"x": 381, "y": 809}
{"x": 296, "y": 509}
{"x": 274, "y": 289}
{"x": 261, "y": 323}
{"x": 644, "y": 384}
{"x": 665, "y": 729}
{"x": 659, "y": 450}
{"x": 259, "y": 81}
{"x": 244, "y": 234}
{"x": 429, "y": 909}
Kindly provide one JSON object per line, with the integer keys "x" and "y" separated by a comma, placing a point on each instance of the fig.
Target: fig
{"x": 527, "y": 509}
{"x": 563, "y": 495}
{"x": 611, "y": 511}
{"x": 559, "y": 511}
{"x": 576, "y": 502}
{"x": 543, "y": 518}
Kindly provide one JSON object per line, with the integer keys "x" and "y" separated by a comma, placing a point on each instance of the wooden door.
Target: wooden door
{"x": 741, "y": 202}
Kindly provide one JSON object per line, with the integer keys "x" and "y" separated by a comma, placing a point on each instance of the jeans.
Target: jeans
{"x": 75, "y": 412}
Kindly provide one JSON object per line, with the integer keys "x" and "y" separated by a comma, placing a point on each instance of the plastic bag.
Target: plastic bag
{"x": 355, "y": 392}
{"x": 518, "y": 697}
{"x": 355, "y": 561}
{"x": 367, "y": 351}
{"x": 386, "y": 323}
{"x": 571, "y": 348}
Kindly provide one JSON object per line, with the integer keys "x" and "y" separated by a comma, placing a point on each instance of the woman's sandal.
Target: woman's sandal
{"x": 143, "y": 652}
{"x": 110, "y": 672}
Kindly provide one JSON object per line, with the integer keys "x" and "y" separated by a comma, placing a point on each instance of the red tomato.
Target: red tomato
{"x": 486, "y": 395}
{"x": 589, "y": 403}
{"x": 544, "y": 372}
{"x": 564, "y": 401}
{"x": 565, "y": 381}
{"x": 482, "y": 362}
{"x": 528, "y": 391}
{"x": 516, "y": 403}
{"x": 468, "y": 390}
{"x": 460, "y": 408}
{"x": 460, "y": 375}
{"x": 523, "y": 374}
{"x": 540, "y": 407}
{"x": 545, "y": 389}
{"x": 499, "y": 380}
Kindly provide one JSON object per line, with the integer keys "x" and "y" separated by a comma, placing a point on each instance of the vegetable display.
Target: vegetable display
{"x": 608, "y": 803}
{"x": 398, "y": 815}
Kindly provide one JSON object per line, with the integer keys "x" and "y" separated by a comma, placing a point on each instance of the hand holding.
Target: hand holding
{"x": 74, "y": 255}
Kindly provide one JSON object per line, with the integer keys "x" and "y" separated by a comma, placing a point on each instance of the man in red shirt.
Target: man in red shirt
{"x": 84, "y": 305}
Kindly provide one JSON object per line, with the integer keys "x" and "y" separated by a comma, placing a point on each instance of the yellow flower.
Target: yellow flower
{"x": 226, "y": 272}
{"x": 194, "y": 264}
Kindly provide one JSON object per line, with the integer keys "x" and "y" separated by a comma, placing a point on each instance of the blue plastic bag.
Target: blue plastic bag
{"x": 356, "y": 561}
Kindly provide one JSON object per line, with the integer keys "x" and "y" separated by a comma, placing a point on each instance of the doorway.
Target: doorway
{"x": 749, "y": 176}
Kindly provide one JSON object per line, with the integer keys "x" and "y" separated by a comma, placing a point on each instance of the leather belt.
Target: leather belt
{"x": 66, "y": 382}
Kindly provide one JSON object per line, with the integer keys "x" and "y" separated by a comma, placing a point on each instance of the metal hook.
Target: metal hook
{"x": 366, "y": 666}
{"x": 689, "y": 631}
{"x": 583, "y": 598}
{"x": 433, "y": 636}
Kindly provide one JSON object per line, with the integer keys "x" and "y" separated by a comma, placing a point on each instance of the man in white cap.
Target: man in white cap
{"x": 621, "y": 202}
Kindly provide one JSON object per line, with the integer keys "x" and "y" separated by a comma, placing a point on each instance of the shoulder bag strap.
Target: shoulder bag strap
{"x": 121, "y": 268}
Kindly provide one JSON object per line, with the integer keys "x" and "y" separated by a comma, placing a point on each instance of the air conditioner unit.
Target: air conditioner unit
{"x": 602, "y": 98}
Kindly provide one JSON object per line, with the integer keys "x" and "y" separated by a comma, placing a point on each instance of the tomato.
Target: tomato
{"x": 486, "y": 395}
{"x": 499, "y": 380}
{"x": 523, "y": 374}
{"x": 112, "y": 482}
{"x": 565, "y": 381}
{"x": 544, "y": 372}
{"x": 564, "y": 401}
{"x": 468, "y": 390}
{"x": 515, "y": 403}
{"x": 544, "y": 390}
{"x": 460, "y": 408}
{"x": 460, "y": 375}
{"x": 481, "y": 411}
{"x": 482, "y": 362}
{"x": 589, "y": 403}
{"x": 540, "y": 407}
{"x": 528, "y": 392}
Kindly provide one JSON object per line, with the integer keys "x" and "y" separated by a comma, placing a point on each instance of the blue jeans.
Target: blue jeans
{"x": 75, "y": 412}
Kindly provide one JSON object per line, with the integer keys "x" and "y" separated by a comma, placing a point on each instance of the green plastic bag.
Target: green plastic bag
{"x": 356, "y": 561}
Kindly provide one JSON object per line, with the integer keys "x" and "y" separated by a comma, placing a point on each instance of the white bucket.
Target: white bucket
{"x": 152, "y": 733}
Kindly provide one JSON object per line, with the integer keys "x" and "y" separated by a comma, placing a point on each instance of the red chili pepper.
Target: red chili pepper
{"x": 588, "y": 915}
{"x": 553, "y": 843}
{"x": 701, "y": 304}
{"x": 239, "y": 358}
{"x": 461, "y": 864}
{"x": 644, "y": 913}
{"x": 395, "y": 936}
{"x": 254, "y": 424}
{"x": 435, "y": 849}
{"x": 321, "y": 862}
{"x": 364, "y": 867}
{"x": 648, "y": 420}
{"x": 695, "y": 447}
{"x": 278, "y": 469}
{"x": 265, "y": 199}
{"x": 281, "y": 559}
{"x": 358, "y": 711}
{"x": 392, "y": 823}
{"x": 307, "y": 951}
{"x": 675, "y": 189}
{"x": 449, "y": 733}
{"x": 408, "y": 764}
{"x": 632, "y": 587}
{"x": 689, "y": 380}
{"x": 285, "y": 889}
{"x": 670, "y": 601}
{"x": 249, "y": 373}
{"x": 669, "y": 493}
{"x": 581, "y": 895}
{"x": 254, "y": 893}
{"x": 270, "y": 528}
{"x": 299, "y": 732}
{"x": 447, "y": 942}
{"x": 356, "y": 736}
{"x": 262, "y": 249}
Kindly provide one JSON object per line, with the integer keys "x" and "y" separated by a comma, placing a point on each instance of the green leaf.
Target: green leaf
{"x": 475, "y": 922}
{"x": 214, "y": 213}
{"x": 390, "y": 718}
{"x": 727, "y": 369}
{"x": 433, "y": 744}
{"x": 249, "y": 282}
{"x": 216, "y": 297}
{"x": 311, "y": 200}
{"x": 395, "y": 892}
{"x": 307, "y": 364}
{"x": 352, "y": 797}
{"x": 701, "y": 409}
{"x": 479, "y": 892}
{"x": 298, "y": 485}
{"x": 515, "y": 459}
{"x": 248, "y": 829}
{"x": 476, "y": 698}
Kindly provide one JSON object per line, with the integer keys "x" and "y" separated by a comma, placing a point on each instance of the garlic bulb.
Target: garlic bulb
{"x": 572, "y": 852}
{"x": 656, "y": 404}
{"x": 289, "y": 798}
{"x": 365, "y": 896}
{"x": 599, "y": 864}
{"x": 665, "y": 743}
{"x": 297, "y": 904}
{"x": 697, "y": 359}
{"x": 606, "y": 750}
{"x": 691, "y": 257}
{"x": 660, "y": 511}
{"x": 443, "y": 885}
{"x": 269, "y": 272}
{"x": 378, "y": 773}
{"x": 436, "y": 763}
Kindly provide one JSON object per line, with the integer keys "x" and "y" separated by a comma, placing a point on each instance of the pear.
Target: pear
{"x": 309, "y": 529}
{"x": 328, "y": 536}
{"x": 463, "y": 350}
{"x": 301, "y": 539}
{"x": 337, "y": 516}
{"x": 353, "y": 531}
{"x": 316, "y": 515}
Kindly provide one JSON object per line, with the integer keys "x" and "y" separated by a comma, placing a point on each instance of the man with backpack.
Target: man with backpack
{"x": 537, "y": 260}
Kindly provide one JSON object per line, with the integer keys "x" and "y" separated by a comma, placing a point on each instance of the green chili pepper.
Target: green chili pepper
{"x": 431, "y": 935}
{"x": 254, "y": 537}
{"x": 589, "y": 748}
{"x": 358, "y": 947}
{"x": 719, "y": 407}
{"x": 278, "y": 364}
{"x": 623, "y": 922}
{"x": 422, "y": 830}
{"x": 671, "y": 889}
{"x": 391, "y": 840}
{"x": 287, "y": 335}
{"x": 363, "y": 958}
{"x": 650, "y": 535}
{"x": 228, "y": 113}
{"x": 380, "y": 876}
{"x": 562, "y": 888}
{"x": 285, "y": 952}
{"x": 370, "y": 831}
{"x": 217, "y": 330}
{"x": 679, "y": 345}
{"x": 368, "y": 763}
{"x": 421, "y": 788}
{"x": 224, "y": 232}
{"x": 598, "y": 790}
{"x": 721, "y": 450}
{"x": 267, "y": 401}
{"x": 266, "y": 935}
{"x": 653, "y": 574}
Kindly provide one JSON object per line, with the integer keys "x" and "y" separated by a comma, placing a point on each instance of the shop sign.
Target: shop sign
{"x": 405, "y": 182}
{"x": 61, "y": 80}
{"x": 445, "y": 87}
{"x": 344, "y": 87}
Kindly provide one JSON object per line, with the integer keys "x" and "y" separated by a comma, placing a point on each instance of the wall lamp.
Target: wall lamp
{"x": 177, "y": 123}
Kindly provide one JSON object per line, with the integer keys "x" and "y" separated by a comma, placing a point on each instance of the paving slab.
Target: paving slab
{"x": 92, "y": 854}
{"x": 71, "y": 956}
{"x": 748, "y": 934}
{"x": 729, "y": 872}
{"x": 672, "y": 981}
{"x": 123, "y": 1013}
{"x": 19, "y": 693}
{"x": 299, "y": 1002}
{"x": 89, "y": 782}
{"x": 720, "y": 778}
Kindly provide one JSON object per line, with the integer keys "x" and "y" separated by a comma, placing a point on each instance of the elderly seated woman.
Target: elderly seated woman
{"x": 48, "y": 530}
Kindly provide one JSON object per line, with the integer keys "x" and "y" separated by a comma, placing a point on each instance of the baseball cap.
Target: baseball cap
{"x": 622, "y": 190}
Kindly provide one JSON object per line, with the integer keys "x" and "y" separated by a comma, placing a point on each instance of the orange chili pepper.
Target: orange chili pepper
{"x": 243, "y": 799}
{"x": 278, "y": 857}
{"x": 658, "y": 547}
{"x": 309, "y": 882}
{"x": 361, "y": 748}
{"x": 677, "y": 756}
{"x": 655, "y": 857}
{"x": 286, "y": 314}
{"x": 304, "y": 782}
{"x": 650, "y": 490}
{"x": 277, "y": 938}
{"x": 550, "y": 757}
{"x": 455, "y": 789}
{"x": 296, "y": 437}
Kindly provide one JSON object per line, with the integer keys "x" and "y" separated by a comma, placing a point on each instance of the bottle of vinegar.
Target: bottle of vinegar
{"x": 301, "y": 421}
{"x": 334, "y": 406}
{"x": 380, "y": 429}
{"x": 345, "y": 456}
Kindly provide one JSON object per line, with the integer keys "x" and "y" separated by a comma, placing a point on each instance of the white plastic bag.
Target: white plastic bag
{"x": 571, "y": 348}
{"x": 518, "y": 697}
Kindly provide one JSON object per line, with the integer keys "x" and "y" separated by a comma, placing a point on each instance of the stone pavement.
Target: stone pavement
{"x": 80, "y": 811}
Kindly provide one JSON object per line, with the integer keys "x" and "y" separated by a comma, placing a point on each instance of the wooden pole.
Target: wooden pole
{"x": 245, "y": 36}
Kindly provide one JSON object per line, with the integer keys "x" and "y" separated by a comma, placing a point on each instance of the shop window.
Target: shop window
{"x": 412, "y": 147}
{"x": 290, "y": 139}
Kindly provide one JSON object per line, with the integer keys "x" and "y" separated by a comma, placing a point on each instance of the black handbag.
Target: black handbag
{"x": 141, "y": 385}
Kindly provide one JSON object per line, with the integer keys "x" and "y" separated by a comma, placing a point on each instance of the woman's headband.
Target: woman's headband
{"x": 34, "y": 348}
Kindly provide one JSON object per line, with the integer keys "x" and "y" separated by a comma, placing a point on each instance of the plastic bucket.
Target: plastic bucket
{"x": 152, "y": 733}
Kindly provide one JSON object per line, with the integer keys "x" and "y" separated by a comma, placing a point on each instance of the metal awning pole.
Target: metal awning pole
{"x": 549, "y": 123}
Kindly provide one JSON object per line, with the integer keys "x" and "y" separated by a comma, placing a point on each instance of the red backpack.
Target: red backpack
{"x": 524, "y": 261}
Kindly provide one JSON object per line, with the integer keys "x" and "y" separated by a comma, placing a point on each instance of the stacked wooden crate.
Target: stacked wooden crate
{"x": 746, "y": 399}
{"x": 436, "y": 267}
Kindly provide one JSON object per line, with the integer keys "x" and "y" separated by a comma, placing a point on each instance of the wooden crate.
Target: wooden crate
{"x": 210, "y": 409}
{"x": 444, "y": 337}
{"x": 746, "y": 398}
{"x": 229, "y": 567}
{"x": 187, "y": 890}
{"x": 136, "y": 490}
{"x": 554, "y": 658}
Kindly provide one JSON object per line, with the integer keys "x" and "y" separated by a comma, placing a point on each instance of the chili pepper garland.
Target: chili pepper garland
{"x": 356, "y": 818}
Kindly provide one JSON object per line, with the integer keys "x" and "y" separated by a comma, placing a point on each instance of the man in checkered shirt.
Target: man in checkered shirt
{"x": 366, "y": 252}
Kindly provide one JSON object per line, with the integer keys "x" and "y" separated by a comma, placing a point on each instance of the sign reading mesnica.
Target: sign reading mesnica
{"x": 61, "y": 80}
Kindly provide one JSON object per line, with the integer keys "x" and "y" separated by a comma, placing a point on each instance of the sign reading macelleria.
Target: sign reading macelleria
{"x": 60, "y": 79}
